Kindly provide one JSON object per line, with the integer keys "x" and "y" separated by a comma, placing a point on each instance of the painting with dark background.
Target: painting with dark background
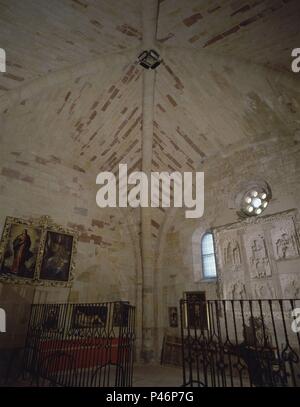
{"x": 196, "y": 313}
{"x": 93, "y": 316}
{"x": 50, "y": 318}
{"x": 57, "y": 257}
{"x": 173, "y": 317}
{"x": 120, "y": 314}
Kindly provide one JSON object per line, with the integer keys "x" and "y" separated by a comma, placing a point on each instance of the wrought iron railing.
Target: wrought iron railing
{"x": 240, "y": 343}
{"x": 80, "y": 344}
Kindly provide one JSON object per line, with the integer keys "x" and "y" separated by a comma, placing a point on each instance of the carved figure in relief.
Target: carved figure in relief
{"x": 293, "y": 289}
{"x": 264, "y": 291}
{"x": 232, "y": 254}
{"x": 237, "y": 291}
{"x": 259, "y": 258}
{"x": 286, "y": 246}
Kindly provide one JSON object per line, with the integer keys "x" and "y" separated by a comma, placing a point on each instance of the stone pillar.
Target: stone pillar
{"x": 149, "y": 35}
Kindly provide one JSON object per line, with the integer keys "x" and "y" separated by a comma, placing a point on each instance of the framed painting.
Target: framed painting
{"x": 57, "y": 255}
{"x": 173, "y": 317}
{"x": 91, "y": 316}
{"x": 121, "y": 314}
{"x": 50, "y": 318}
{"x": 20, "y": 250}
{"x": 37, "y": 251}
{"x": 196, "y": 310}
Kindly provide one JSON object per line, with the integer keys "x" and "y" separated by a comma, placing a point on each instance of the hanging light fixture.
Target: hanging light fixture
{"x": 149, "y": 59}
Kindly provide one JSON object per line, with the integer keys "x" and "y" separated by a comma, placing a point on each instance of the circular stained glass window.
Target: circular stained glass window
{"x": 255, "y": 201}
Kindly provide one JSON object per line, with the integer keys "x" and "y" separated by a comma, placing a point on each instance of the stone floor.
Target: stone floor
{"x": 144, "y": 376}
{"x": 157, "y": 376}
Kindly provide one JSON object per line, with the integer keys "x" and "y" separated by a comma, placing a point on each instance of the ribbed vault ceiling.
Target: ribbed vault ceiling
{"x": 42, "y": 36}
{"x": 260, "y": 31}
{"x": 214, "y": 91}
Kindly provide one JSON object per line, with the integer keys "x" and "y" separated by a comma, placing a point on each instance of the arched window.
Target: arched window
{"x": 208, "y": 256}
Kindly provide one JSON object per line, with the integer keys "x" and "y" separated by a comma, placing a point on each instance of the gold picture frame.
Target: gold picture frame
{"x": 37, "y": 251}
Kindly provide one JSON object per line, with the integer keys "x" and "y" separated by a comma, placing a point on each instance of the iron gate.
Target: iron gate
{"x": 240, "y": 343}
{"x": 80, "y": 344}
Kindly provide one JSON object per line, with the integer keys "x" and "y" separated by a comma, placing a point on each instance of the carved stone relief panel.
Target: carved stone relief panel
{"x": 231, "y": 267}
{"x": 290, "y": 284}
{"x": 284, "y": 239}
{"x": 251, "y": 254}
{"x": 229, "y": 250}
{"x": 257, "y": 253}
{"x": 231, "y": 253}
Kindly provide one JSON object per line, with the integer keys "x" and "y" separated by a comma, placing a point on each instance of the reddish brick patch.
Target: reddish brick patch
{"x": 55, "y": 160}
{"x": 249, "y": 21}
{"x": 213, "y": 40}
{"x": 241, "y": 10}
{"x": 67, "y": 96}
{"x": 22, "y": 163}
{"x": 76, "y": 226}
{"x": 97, "y": 239}
{"x": 80, "y": 3}
{"x": 79, "y": 169}
{"x": 7, "y": 172}
{"x": 171, "y": 100}
{"x": 84, "y": 238}
{"x": 41, "y": 160}
{"x": 95, "y": 105}
{"x": 28, "y": 179}
{"x": 161, "y": 108}
{"x": 92, "y": 116}
{"x": 194, "y": 39}
{"x": 129, "y": 31}
{"x": 231, "y": 31}
{"x": 189, "y": 21}
{"x": 166, "y": 38}
{"x": 105, "y": 106}
{"x": 190, "y": 142}
{"x": 98, "y": 223}
{"x": 212, "y": 10}
{"x": 178, "y": 83}
{"x": 13, "y": 77}
{"x": 96, "y": 23}
{"x": 155, "y": 224}
{"x": 137, "y": 121}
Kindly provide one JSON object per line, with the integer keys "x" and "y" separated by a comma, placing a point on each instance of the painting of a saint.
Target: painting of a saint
{"x": 20, "y": 253}
{"x": 57, "y": 257}
{"x": 196, "y": 317}
{"x": 173, "y": 317}
{"x": 120, "y": 314}
{"x": 50, "y": 319}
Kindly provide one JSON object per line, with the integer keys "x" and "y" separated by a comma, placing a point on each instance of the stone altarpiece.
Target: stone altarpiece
{"x": 259, "y": 258}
